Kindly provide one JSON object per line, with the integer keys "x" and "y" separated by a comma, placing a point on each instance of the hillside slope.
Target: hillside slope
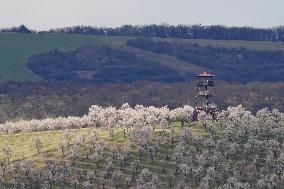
{"x": 43, "y": 99}
{"x": 144, "y": 59}
{"x": 15, "y": 49}
{"x": 230, "y": 64}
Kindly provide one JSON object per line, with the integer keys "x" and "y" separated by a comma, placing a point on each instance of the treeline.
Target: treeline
{"x": 19, "y": 29}
{"x": 215, "y": 32}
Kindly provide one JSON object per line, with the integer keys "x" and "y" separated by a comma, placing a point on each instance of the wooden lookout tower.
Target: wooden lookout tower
{"x": 205, "y": 91}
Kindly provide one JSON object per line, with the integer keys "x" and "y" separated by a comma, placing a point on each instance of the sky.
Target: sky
{"x": 46, "y": 14}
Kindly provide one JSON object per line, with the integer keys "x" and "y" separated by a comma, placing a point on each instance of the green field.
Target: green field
{"x": 15, "y": 49}
{"x": 251, "y": 45}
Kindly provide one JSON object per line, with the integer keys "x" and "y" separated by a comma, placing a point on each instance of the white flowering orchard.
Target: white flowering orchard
{"x": 142, "y": 147}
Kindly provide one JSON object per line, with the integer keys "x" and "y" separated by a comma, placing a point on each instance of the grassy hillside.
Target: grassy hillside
{"x": 41, "y": 100}
{"x": 229, "y": 64}
{"x": 250, "y": 45}
{"x": 15, "y": 49}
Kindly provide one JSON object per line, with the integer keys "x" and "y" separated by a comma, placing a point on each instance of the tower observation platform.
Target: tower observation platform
{"x": 205, "y": 92}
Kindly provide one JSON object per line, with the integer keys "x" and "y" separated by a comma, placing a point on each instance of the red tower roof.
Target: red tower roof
{"x": 205, "y": 74}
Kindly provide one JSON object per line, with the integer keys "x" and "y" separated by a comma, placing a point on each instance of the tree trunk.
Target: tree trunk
{"x": 170, "y": 182}
{"x": 124, "y": 132}
{"x": 182, "y": 124}
{"x": 140, "y": 156}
